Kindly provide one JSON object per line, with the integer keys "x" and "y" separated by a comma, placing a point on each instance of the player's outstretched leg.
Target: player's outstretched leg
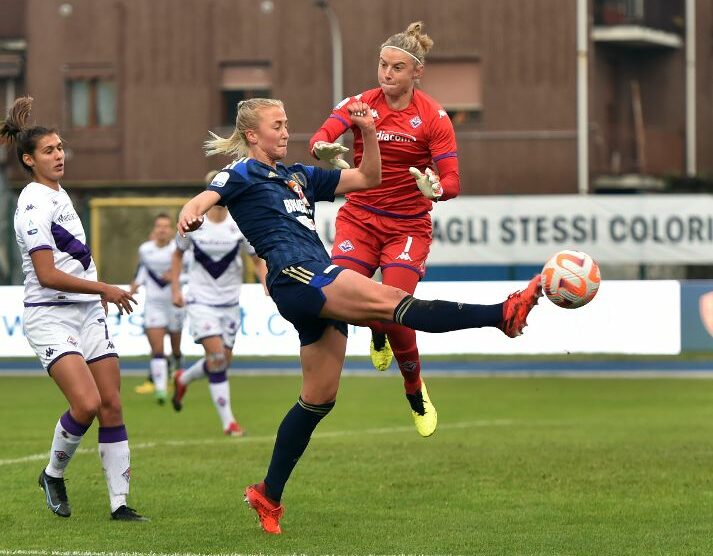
{"x": 445, "y": 316}
{"x": 55, "y": 494}
{"x": 268, "y": 511}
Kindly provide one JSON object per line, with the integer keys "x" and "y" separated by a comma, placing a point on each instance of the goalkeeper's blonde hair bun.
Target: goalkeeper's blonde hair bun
{"x": 412, "y": 40}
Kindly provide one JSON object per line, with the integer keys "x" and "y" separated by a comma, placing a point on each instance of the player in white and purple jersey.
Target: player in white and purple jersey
{"x": 274, "y": 206}
{"x": 212, "y": 299}
{"x": 65, "y": 316}
{"x": 161, "y": 317}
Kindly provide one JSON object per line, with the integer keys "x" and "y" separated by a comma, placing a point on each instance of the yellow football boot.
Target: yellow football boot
{"x": 424, "y": 413}
{"x": 380, "y": 350}
{"x": 146, "y": 388}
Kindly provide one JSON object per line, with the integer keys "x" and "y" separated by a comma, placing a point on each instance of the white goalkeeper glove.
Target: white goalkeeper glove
{"x": 331, "y": 152}
{"x": 429, "y": 183}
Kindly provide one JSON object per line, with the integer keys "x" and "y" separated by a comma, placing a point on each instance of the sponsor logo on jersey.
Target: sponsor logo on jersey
{"x": 346, "y": 246}
{"x": 67, "y": 217}
{"x": 442, "y": 113}
{"x": 307, "y": 222}
{"x": 396, "y": 136}
{"x": 32, "y": 232}
{"x": 415, "y": 122}
{"x": 220, "y": 179}
{"x": 295, "y": 205}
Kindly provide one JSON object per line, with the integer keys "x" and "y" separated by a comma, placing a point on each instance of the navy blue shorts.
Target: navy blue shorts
{"x": 297, "y": 292}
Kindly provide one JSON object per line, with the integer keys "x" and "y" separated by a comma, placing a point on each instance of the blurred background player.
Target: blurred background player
{"x": 212, "y": 298}
{"x": 65, "y": 316}
{"x": 274, "y": 205}
{"x": 390, "y": 227}
{"x": 161, "y": 317}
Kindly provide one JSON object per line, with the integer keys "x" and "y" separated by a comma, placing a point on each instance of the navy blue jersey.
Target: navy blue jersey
{"x": 274, "y": 208}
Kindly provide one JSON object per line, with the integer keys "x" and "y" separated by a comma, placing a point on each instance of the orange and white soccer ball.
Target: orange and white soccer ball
{"x": 570, "y": 279}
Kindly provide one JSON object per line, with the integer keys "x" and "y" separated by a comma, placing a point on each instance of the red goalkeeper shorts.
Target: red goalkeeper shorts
{"x": 376, "y": 240}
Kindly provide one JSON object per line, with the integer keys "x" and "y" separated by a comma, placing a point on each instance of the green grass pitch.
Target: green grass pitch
{"x": 536, "y": 466}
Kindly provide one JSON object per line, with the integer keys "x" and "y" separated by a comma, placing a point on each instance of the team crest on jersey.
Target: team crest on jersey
{"x": 374, "y": 114}
{"x": 296, "y": 184}
{"x": 272, "y": 174}
{"x": 346, "y": 246}
{"x": 415, "y": 122}
{"x": 442, "y": 113}
{"x": 220, "y": 179}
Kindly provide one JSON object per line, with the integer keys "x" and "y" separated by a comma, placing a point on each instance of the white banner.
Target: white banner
{"x": 631, "y": 229}
{"x": 621, "y": 319}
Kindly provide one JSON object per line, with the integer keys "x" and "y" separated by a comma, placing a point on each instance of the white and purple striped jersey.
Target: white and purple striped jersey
{"x": 46, "y": 219}
{"x": 216, "y": 274}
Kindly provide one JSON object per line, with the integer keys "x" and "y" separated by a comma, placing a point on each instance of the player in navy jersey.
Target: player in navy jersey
{"x": 273, "y": 204}
{"x": 161, "y": 317}
{"x": 212, "y": 298}
{"x": 389, "y": 227}
{"x": 65, "y": 316}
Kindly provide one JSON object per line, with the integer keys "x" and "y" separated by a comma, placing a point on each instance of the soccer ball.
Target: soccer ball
{"x": 570, "y": 279}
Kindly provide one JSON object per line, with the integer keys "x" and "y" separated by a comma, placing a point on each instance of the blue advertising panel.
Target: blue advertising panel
{"x": 697, "y": 316}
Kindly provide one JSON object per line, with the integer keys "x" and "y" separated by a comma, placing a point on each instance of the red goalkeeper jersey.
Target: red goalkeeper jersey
{"x": 420, "y": 135}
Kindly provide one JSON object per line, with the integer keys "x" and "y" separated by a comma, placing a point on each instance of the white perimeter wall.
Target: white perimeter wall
{"x": 625, "y": 317}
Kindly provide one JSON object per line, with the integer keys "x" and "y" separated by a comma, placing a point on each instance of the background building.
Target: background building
{"x": 136, "y": 85}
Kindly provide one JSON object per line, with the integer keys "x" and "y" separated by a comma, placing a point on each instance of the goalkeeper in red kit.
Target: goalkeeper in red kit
{"x": 389, "y": 227}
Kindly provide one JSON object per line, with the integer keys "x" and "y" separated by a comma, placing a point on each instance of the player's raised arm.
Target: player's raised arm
{"x": 192, "y": 213}
{"x": 368, "y": 174}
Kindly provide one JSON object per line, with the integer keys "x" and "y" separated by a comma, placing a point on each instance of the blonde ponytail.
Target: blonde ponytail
{"x": 248, "y": 117}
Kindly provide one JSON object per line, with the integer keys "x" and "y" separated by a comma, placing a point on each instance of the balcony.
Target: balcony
{"x": 639, "y": 23}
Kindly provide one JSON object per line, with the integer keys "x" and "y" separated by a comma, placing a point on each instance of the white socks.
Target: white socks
{"x": 67, "y": 436}
{"x": 116, "y": 462}
{"x": 194, "y": 372}
{"x": 159, "y": 373}
{"x": 220, "y": 393}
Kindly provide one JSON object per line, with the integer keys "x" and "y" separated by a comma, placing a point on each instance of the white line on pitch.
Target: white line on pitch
{"x": 271, "y": 438}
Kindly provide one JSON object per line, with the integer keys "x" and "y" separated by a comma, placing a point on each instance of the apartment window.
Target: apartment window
{"x": 242, "y": 82}
{"x": 457, "y": 86}
{"x": 92, "y": 102}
